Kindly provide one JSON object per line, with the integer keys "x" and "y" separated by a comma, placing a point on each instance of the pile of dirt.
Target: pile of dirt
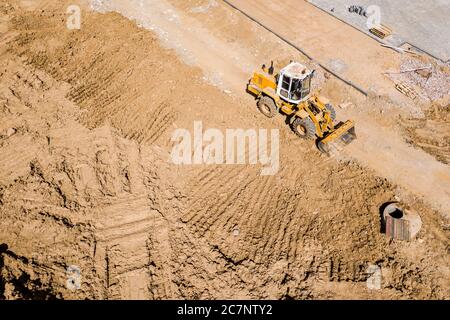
{"x": 86, "y": 121}
{"x": 432, "y": 78}
{"x": 431, "y": 133}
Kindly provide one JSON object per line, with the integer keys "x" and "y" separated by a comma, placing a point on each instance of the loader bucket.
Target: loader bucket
{"x": 343, "y": 134}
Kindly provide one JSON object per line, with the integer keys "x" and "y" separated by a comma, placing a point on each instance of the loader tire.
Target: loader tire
{"x": 267, "y": 107}
{"x": 332, "y": 111}
{"x": 304, "y": 128}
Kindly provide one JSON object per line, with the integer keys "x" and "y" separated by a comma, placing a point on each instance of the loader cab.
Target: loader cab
{"x": 294, "y": 83}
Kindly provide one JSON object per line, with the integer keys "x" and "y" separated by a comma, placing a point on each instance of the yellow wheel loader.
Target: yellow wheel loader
{"x": 310, "y": 115}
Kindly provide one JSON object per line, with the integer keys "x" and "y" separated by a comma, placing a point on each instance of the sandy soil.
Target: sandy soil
{"x": 225, "y": 66}
{"x": 86, "y": 120}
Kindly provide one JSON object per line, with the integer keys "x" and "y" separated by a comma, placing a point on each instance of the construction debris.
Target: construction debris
{"x": 381, "y": 31}
{"x": 401, "y": 50}
{"x": 424, "y": 72}
{"x": 430, "y": 82}
{"x": 406, "y": 90}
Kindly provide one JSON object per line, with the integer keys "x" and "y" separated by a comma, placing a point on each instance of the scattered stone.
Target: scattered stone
{"x": 10, "y": 132}
{"x": 345, "y": 105}
{"x": 426, "y": 73}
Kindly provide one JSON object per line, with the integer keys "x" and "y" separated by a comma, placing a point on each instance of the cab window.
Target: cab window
{"x": 285, "y": 87}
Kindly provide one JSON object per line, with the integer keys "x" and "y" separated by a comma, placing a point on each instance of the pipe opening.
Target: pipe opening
{"x": 396, "y": 213}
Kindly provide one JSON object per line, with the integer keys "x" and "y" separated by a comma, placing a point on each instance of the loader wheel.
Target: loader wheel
{"x": 332, "y": 111}
{"x": 267, "y": 107}
{"x": 324, "y": 148}
{"x": 304, "y": 128}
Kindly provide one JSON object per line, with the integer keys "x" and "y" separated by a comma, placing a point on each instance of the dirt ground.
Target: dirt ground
{"x": 86, "y": 118}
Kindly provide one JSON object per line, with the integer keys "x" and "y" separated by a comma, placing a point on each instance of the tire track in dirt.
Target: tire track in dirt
{"x": 122, "y": 235}
{"x": 255, "y": 204}
{"x": 116, "y": 219}
{"x": 211, "y": 191}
